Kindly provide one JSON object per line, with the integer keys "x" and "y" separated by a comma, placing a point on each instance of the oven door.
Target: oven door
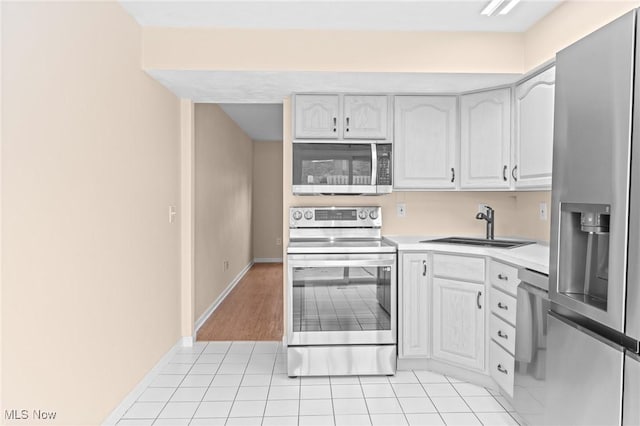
{"x": 333, "y": 299}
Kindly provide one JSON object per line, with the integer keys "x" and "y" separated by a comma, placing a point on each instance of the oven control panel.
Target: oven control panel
{"x": 335, "y": 217}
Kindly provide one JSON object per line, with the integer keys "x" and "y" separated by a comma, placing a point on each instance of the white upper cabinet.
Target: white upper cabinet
{"x": 341, "y": 117}
{"x": 317, "y": 117}
{"x": 534, "y": 131}
{"x": 425, "y": 142}
{"x": 365, "y": 117}
{"x": 485, "y": 140}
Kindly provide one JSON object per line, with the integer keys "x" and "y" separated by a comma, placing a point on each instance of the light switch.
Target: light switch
{"x": 172, "y": 213}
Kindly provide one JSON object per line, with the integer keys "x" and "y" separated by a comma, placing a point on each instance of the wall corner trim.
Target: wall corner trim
{"x": 205, "y": 316}
{"x": 132, "y": 396}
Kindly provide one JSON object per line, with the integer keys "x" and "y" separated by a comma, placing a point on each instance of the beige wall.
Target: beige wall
{"x": 90, "y": 164}
{"x": 568, "y": 23}
{"x": 223, "y": 179}
{"x": 267, "y": 200}
{"x": 326, "y": 50}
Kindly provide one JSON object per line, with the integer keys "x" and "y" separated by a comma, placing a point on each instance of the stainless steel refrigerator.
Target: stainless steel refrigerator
{"x": 593, "y": 367}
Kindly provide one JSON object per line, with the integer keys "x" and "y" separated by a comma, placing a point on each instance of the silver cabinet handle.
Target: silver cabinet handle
{"x": 501, "y": 369}
{"x": 424, "y": 268}
{"x": 478, "y": 300}
{"x": 501, "y": 306}
{"x": 513, "y": 173}
{"x": 453, "y": 174}
{"x": 504, "y": 173}
{"x": 503, "y": 277}
{"x": 501, "y": 334}
{"x": 347, "y": 120}
{"x": 335, "y": 124}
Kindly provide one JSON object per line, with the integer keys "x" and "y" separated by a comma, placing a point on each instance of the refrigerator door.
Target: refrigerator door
{"x": 630, "y": 404}
{"x": 584, "y": 376}
{"x": 633, "y": 276}
{"x": 591, "y": 162}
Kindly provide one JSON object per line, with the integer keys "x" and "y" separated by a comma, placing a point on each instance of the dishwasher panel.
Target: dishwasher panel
{"x": 531, "y": 349}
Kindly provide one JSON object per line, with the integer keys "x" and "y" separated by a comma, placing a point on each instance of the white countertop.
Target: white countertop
{"x": 532, "y": 256}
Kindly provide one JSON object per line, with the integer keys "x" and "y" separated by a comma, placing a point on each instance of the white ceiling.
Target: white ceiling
{"x": 254, "y": 93}
{"x": 262, "y": 122}
{"x": 400, "y": 15}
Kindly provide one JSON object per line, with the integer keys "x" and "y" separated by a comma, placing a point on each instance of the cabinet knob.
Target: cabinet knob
{"x": 504, "y": 173}
{"x": 503, "y": 277}
{"x": 424, "y": 268}
{"x": 513, "y": 173}
{"x": 501, "y": 369}
{"x": 503, "y": 335}
{"x": 453, "y": 175}
{"x": 501, "y": 306}
{"x": 347, "y": 129}
{"x": 478, "y": 300}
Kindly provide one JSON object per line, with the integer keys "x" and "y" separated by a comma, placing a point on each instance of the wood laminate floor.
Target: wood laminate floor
{"x": 252, "y": 311}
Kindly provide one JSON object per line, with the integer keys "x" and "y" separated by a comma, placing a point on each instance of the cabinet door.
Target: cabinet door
{"x": 458, "y": 323}
{"x": 534, "y": 131}
{"x": 425, "y": 142}
{"x": 365, "y": 117}
{"x": 414, "y": 305}
{"x": 316, "y": 116}
{"x": 485, "y": 140}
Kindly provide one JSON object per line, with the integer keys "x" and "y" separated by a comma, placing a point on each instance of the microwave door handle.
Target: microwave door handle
{"x": 307, "y": 263}
{"x": 374, "y": 164}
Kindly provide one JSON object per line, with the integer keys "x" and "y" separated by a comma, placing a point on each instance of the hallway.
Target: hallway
{"x": 252, "y": 311}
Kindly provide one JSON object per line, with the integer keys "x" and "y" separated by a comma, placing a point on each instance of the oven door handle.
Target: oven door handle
{"x": 339, "y": 263}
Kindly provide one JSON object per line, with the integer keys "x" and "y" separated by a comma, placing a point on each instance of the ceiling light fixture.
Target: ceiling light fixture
{"x": 499, "y": 7}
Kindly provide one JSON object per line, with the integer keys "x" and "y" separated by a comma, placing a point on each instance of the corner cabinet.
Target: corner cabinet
{"x": 425, "y": 142}
{"x": 485, "y": 140}
{"x": 533, "y": 147}
{"x": 341, "y": 116}
{"x": 414, "y": 305}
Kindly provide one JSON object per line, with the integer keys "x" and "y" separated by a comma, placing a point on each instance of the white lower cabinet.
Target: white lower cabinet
{"x": 458, "y": 330}
{"x": 501, "y": 367}
{"x": 414, "y": 305}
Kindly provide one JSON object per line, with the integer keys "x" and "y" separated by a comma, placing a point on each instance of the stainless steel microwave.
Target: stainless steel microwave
{"x": 341, "y": 168}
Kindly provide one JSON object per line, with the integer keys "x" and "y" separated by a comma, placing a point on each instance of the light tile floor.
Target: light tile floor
{"x": 245, "y": 383}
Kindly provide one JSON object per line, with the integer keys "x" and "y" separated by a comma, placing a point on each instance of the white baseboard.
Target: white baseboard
{"x": 187, "y": 341}
{"x": 267, "y": 260}
{"x": 119, "y": 411}
{"x": 205, "y": 316}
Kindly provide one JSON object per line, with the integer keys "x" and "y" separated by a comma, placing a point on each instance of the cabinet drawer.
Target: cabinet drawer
{"x": 501, "y": 367}
{"x": 503, "y": 305}
{"x": 503, "y": 333}
{"x": 458, "y": 267}
{"x": 504, "y": 277}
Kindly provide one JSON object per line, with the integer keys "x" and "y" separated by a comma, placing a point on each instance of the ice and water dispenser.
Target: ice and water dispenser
{"x": 584, "y": 253}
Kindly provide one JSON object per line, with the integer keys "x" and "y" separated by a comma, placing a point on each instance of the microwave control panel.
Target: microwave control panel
{"x": 384, "y": 164}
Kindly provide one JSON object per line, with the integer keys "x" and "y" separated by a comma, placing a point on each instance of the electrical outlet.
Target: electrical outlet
{"x": 542, "y": 211}
{"x": 278, "y": 241}
{"x": 172, "y": 213}
{"x": 401, "y": 209}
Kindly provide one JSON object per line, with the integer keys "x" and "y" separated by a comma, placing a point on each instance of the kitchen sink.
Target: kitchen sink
{"x": 483, "y": 242}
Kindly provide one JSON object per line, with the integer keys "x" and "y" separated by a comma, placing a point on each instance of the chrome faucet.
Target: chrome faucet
{"x": 489, "y": 217}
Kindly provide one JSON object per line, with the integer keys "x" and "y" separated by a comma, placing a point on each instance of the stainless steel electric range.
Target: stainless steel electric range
{"x": 341, "y": 293}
